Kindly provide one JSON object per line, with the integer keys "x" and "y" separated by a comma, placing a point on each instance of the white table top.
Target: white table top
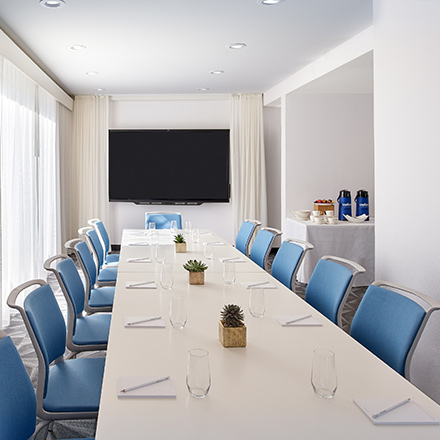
{"x": 262, "y": 391}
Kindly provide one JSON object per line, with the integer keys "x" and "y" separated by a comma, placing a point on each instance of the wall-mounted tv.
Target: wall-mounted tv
{"x": 169, "y": 166}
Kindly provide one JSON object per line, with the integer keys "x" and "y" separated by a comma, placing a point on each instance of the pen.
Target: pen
{"x": 298, "y": 319}
{"x": 391, "y": 408}
{"x": 141, "y": 284}
{"x": 231, "y": 259}
{"x": 144, "y": 320}
{"x": 257, "y": 284}
{"x": 142, "y": 385}
{"x": 146, "y": 259}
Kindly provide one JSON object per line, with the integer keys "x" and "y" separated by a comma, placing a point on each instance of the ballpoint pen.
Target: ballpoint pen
{"x": 144, "y": 320}
{"x": 391, "y": 408}
{"x": 141, "y": 284}
{"x": 297, "y": 319}
{"x": 146, "y": 384}
{"x": 257, "y": 284}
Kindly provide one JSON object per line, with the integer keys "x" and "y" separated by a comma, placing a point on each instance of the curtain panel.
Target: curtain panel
{"x": 248, "y": 159}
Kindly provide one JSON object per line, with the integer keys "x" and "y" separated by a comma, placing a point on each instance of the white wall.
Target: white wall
{"x": 329, "y": 147}
{"x": 407, "y": 142}
{"x": 164, "y": 112}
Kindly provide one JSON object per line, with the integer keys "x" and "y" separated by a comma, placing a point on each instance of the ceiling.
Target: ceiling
{"x": 172, "y": 46}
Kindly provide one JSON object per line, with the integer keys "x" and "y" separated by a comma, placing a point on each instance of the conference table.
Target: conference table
{"x": 261, "y": 391}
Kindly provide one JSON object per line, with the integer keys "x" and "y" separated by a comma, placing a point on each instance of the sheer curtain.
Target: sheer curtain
{"x": 91, "y": 149}
{"x": 29, "y": 203}
{"x": 248, "y": 163}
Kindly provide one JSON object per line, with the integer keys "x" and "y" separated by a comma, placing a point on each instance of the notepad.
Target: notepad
{"x": 310, "y": 321}
{"x": 139, "y": 260}
{"x": 233, "y": 259}
{"x": 409, "y": 414}
{"x": 259, "y": 284}
{"x": 161, "y": 389}
{"x": 135, "y": 322}
{"x": 140, "y": 285}
{"x": 215, "y": 243}
{"x": 140, "y": 243}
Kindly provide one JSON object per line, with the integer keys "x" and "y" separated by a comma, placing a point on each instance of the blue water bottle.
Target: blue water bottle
{"x": 362, "y": 203}
{"x": 344, "y": 200}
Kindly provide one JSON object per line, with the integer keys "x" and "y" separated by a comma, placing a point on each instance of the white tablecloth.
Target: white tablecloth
{"x": 354, "y": 241}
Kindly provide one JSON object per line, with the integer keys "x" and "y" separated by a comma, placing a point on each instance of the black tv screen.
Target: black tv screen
{"x": 169, "y": 166}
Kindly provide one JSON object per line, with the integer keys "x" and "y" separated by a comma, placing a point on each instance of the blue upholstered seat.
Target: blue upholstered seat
{"x": 288, "y": 259}
{"x": 245, "y": 235}
{"x": 163, "y": 219}
{"x": 389, "y": 323}
{"x": 105, "y": 241}
{"x": 262, "y": 246}
{"x": 85, "y": 332}
{"x": 69, "y": 389}
{"x": 330, "y": 284}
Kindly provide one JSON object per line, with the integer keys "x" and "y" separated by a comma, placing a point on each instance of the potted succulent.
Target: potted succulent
{"x": 179, "y": 239}
{"x": 232, "y": 331}
{"x": 196, "y": 270}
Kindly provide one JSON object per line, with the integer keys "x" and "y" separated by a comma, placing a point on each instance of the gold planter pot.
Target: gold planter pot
{"x": 232, "y": 336}
{"x": 180, "y": 248}
{"x": 196, "y": 278}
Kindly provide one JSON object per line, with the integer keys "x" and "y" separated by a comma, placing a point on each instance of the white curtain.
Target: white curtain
{"x": 29, "y": 201}
{"x": 91, "y": 150}
{"x": 248, "y": 163}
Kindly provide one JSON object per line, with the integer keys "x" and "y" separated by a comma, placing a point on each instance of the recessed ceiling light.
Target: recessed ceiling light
{"x": 237, "y": 45}
{"x": 78, "y": 47}
{"x": 217, "y": 72}
{"x": 100, "y": 90}
{"x": 52, "y": 4}
{"x": 91, "y": 73}
{"x": 271, "y": 2}
{"x": 204, "y": 89}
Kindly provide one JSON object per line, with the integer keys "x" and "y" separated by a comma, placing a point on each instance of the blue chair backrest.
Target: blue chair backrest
{"x": 285, "y": 262}
{"x": 87, "y": 260}
{"x": 94, "y": 239}
{"x": 17, "y": 397}
{"x": 104, "y": 235}
{"x": 244, "y": 236}
{"x": 261, "y": 247}
{"x": 386, "y": 323}
{"x": 47, "y": 323}
{"x": 163, "y": 221}
{"x": 327, "y": 287}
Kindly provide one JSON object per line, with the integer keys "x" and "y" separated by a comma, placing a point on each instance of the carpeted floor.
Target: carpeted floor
{"x": 86, "y": 428}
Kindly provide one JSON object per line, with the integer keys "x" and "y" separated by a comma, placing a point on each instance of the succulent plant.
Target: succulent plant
{"x": 179, "y": 238}
{"x": 195, "y": 266}
{"x": 232, "y": 316}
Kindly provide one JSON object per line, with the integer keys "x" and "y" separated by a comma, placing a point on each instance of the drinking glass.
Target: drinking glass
{"x": 324, "y": 379}
{"x": 173, "y": 226}
{"x": 188, "y": 227}
{"x": 151, "y": 226}
{"x": 178, "y": 312}
{"x": 209, "y": 250}
{"x": 198, "y": 375}
{"x": 196, "y": 235}
{"x": 160, "y": 253}
{"x": 166, "y": 276}
{"x": 229, "y": 272}
{"x": 256, "y": 302}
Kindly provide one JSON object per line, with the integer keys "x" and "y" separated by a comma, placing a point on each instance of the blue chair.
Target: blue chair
{"x": 389, "y": 322}
{"x": 109, "y": 257}
{"x": 163, "y": 219}
{"x": 66, "y": 389}
{"x": 245, "y": 235}
{"x": 330, "y": 285}
{"x": 84, "y": 332}
{"x": 18, "y": 406}
{"x": 288, "y": 260}
{"x": 106, "y": 274}
{"x": 97, "y": 299}
{"x": 263, "y": 245}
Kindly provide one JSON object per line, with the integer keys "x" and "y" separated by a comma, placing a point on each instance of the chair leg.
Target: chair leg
{"x": 42, "y": 427}
{"x": 72, "y": 355}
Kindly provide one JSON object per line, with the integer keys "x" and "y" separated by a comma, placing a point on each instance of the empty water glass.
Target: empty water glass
{"x": 166, "y": 276}
{"x": 160, "y": 253}
{"x": 151, "y": 226}
{"x": 173, "y": 226}
{"x": 196, "y": 235}
{"x": 324, "y": 379}
{"x": 198, "y": 374}
{"x": 256, "y": 302}
{"x": 178, "y": 312}
{"x": 209, "y": 250}
{"x": 188, "y": 227}
{"x": 229, "y": 272}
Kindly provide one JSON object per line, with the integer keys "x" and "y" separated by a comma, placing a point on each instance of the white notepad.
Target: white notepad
{"x": 140, "y": 285}
{"x": 139, "y": 260}
{"x": 260, "y": 285}
{"x": 215, "y": 243}
{"x": 233, "y": 259}
{"x": 310, "y": 321}
{"x": 408, "y": 414}
{"x": 161, "y": 389}
{"x": 134, "y": 322}
{"x": 140, "y": 243}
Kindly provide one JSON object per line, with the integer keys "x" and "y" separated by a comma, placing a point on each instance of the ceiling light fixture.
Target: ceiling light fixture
{"x": 203, "y": 89}
{"x": 237, "y": 45}
{"x": 91, "y": 73}
{"x": 52, "y": 4}
{"x": 78, "y": 47}
{"x": 271, "y": 2}
{"x": 217, "y": 72}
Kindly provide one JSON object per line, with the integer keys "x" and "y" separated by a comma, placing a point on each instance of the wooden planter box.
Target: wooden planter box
{"x": 180, "y": 248}
{"x": 232, "y": 336}
{"x": 196, "y": 278}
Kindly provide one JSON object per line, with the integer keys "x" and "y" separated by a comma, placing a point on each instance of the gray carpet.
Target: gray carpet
{"x": 86, "y": 428}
